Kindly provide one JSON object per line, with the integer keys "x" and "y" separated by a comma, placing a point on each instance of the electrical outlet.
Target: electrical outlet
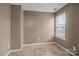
{"x": 39, "y": 39}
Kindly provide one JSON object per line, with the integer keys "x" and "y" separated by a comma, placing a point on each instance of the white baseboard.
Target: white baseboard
{"x": 33, "y": 44}
{"x": 13, "y": 51}
{"x": 28, "y": 45}
{"x": 65, "y": 49}
{"x": 37, "y": 44}
{"x": 8, "y": 53}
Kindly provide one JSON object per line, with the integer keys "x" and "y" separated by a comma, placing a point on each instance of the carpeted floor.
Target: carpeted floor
{"x": 40, "y": 50}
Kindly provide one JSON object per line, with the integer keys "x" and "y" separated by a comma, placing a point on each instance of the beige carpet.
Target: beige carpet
{"x": 40, "y": 50}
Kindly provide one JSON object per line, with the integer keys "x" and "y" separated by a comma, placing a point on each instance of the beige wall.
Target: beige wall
{"x": 72, "y": 17}
{"x": 4, "y": 28}
{"x": 15, "y": 27}
{"x": 37, "y": 26}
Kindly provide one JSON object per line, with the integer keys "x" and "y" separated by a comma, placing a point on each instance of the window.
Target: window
{"x": 60, "y": 26}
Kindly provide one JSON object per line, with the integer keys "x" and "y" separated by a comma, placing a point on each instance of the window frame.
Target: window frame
{"x": 59, "y": 36}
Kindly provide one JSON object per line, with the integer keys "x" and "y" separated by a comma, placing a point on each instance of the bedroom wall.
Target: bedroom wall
{"x": 16, "y": 26}
{"x": 71, "y": 33}
{"x": 4, "y": 28}
{"x": 38, "y": 27}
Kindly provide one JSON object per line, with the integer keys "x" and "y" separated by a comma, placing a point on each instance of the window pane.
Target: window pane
{"x": 60, "y": 25}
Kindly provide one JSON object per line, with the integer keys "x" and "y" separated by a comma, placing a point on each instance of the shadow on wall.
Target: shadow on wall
{"x": 51, "y": 39}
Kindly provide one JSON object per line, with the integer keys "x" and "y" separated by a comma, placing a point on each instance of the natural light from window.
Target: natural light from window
{"x": 60, "y": 26}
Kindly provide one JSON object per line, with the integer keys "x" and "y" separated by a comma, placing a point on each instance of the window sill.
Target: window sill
{"x": 60, "y": 38}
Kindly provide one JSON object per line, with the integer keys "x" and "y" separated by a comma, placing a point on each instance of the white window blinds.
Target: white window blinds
{"x": 60, "y": 25}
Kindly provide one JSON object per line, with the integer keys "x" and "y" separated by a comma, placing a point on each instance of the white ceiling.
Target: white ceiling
{"x": 42, "y": 7}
